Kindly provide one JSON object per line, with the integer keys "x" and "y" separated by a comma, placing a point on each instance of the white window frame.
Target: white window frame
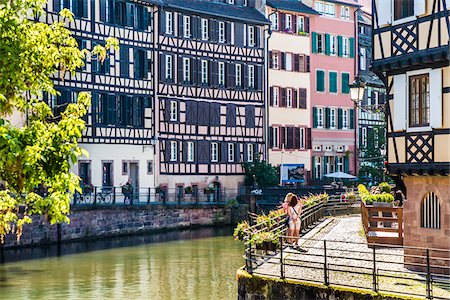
{"x": 332, "y": 118}
{"x": 319, "y": 7}
{"x": 345, "y": 46}
{"x": 363, "y": 59}
{"x": 345, "y": 12}
{"x": 289, "y": 97}
{"x": 169, "y": 65}
{"x": 276, "y": 96}
{"x": 330, "y": 10}
{"x": 230, "y": 1}
{"x": 288, "y": 23}
{"x": 250, "y": 152}
{"x": 251, "y": 76}
{"x": 361, "y": 29}
{"x": 204, "y": 71}
{"x": 173, "y": 111}
{"x": 251, "y": 36}
{"x": 187, "y": 26}
{"x": 300, "y": 24}
{"x": 169, "y": 22}
{"x": 186, "y": 69}
{"x": 222, "y": 32}
{"x": 364, "y": 136}
{"x": 288, "y": 61}
{"x": 173, "y": 151}
{"x": 276, "y": 60}
{"x": 205, "y": 29}
{"x": 221, "y": 73}
{"x": 238, "y": 73}
{"x": 318, "y": 167}
{"x": 345, "y": 119}
{"x": 274, "y": 21}
{"x": 340, "y": 164}
{"x": 302, "y": 138}
{"x": 190, "y": 151}
{"x": 333, "y": 45}
{"x": 276, "y": 137}
{"x": 321, "y": 38}
{"x": 320, "y": 122}
{"x": 231, "y": 152}
{"x": 214, "y": 152}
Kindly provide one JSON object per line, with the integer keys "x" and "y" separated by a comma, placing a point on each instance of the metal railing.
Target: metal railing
{"x": 379, "y": 268}
{"x": 138, "y": 196}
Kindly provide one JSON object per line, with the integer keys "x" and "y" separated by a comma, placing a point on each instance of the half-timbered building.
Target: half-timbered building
{"x": 411, "y": 51}
{"x": 289, "y": 114}
{"x": 210, "y": 92}
{"x": 119, "y": 122}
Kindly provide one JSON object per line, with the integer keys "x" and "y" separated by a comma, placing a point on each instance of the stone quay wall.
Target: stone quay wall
{"x": 90, "y": 222}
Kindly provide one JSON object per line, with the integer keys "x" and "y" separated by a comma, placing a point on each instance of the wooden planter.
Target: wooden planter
{"x": 267, "y": 246}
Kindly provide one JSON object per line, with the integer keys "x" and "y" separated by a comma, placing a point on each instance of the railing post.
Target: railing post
{"x": 429, "y": 293}
{"x": 95, "y": 195}
{"x": 250, "y": 269}
{"x": 281, "y": 258}
{"x": 114, "y": 195}
{"x": 325, "y": 263}
{"x": 374, "y": 275}
{"x": 148, "y": 196}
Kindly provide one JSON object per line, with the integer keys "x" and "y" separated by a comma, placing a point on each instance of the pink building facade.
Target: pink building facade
{"x": 333, "y": 57}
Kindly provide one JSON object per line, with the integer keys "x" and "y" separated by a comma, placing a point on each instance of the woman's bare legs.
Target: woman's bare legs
{"x": 290, "y": 233}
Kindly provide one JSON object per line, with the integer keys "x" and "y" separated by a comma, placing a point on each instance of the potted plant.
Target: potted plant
{"x": 87, "y": 188}
{"x": 188, "y": 190}
{"x": 208, "y": 190}
{"x": 159, "y": 190}
{"x": 266, "y": 240}
{"x": 241, "y": 230}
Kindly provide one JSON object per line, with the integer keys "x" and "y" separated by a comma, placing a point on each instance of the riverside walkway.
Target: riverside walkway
{"x": 337, "y": 254}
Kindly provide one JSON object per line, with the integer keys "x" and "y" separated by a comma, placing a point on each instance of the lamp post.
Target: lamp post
{"x": 357, "y": 88}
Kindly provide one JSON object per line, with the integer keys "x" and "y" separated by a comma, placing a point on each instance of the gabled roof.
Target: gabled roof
{"x": 219, "y": 9}
{"x": 292, "y": 5}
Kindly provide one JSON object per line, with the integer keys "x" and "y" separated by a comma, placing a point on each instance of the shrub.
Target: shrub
{"x": 362, "y": 190}
{"x": 385, "y": 187}
{"x": 241, "y": 230}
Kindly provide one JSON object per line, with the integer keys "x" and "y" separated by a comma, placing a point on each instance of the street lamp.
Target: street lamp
{"x": 357, "y": 88}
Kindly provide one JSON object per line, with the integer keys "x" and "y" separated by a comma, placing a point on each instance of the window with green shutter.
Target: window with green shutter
{"x": 314, "y": 42}
{"x": 327, "y": 44}
{"x": 345, "y": 83}
{"x": 352, "y": 47}
{"x": 340, "y": 46}
{"x": 320, "y": 81}
{"x": 333, "y": 82}
{"x": 315, "y": 117}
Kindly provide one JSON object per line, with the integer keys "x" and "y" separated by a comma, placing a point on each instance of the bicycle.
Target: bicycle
{"x": 83, "y": 198}
{"x": 104, "y": 196}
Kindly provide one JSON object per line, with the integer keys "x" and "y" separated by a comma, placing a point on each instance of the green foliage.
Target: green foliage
{"x": 260, "y": 173}
{"x": 232, "y": 202}
{"x": 385, "y": 187}
{"x": 376, "y": 196}
{"x": 362, "y": 190}
{"x": 241, "y": 230}
{"x": 41, "y": 152}
{"x": 266, "y": 237}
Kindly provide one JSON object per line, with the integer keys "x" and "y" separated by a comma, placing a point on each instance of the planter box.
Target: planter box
{"x": 267, "y": 246}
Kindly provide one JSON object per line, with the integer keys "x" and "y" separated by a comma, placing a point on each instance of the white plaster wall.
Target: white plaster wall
{"x": 118, "y": 153}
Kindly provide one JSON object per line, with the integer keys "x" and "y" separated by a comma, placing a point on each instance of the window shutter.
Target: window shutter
{"x": 352, "y": 119}
{"x": 314, "y": 42}
{"x": 333, "y": 82}
{"x": 56, "y": 5}
{"x": 245, "y": 150}
{"x": 203, "y": 113}
{"x": 327, "y": 117}
{"x": 295, "y": 98}
{"x": 239, "y": 34}
{"x": 370, "y": 137}
{"x": 167, "y": 111}
{"x": 237, "y": 152}
{"x": 231, "y": 115}
{"x": 124, "y": 61}
{"x": 102, "y": 10}
{"x": 306, "y": 24}
{"x": 184, "y": 151}
{"x": 270, "y": 137}
{"x": 345, "y": 83}
{"x": 85, "y": 8}
{"x": 111, "y": 109}
{"x": 180, "y": 69}
{"x": 244, "y": 70}
{"x": 283, "y": 137}
{"x": 352, "y": 47}
{"x": 145, "y": 64}
{"x": 257, "y": 36}
{"x": 307, "y": 64}
{"x": 194, "y": 27}
{"x": 214, "y": 73}
{"x": 212, "y": 31}
{"x": 399, "y": 122}
{"x": 231, "y": 75}
{"x": 340, "y": 46}
{"x": 167, "y": 151}
{"x": 296, "y": 62}
{"x": 283, "y": 97}
{"x": 320, "y": 85}
{"x": 191, "y": 112}
{"x": 303, "y": 102}
{"x": 228, "y": 32}
{"x": 339, "y": 118}
{"x": 315, "y": 117}
{"x": 313, "y": 166}
{"x": 270, "y": 60}
{"x": 162, "y": 21}
{"x": 162, "y": 67}
{"x": 282, "y": 61}
{"x": 130, "y": 14}
{"x": 223, "y": 152}
{"x": 294, "y": 24}
{"x": 308, "y": 138}
{"x": 296, "y": 138}
{"x": 145, "y": 15}
{"x": 180, "y": 25}
{"x": 290, "y": 137}
{"x": 259, "y": 83}
{"x": 282, "y": 18}
{"x": 214, "y": 109}
{"x": 327, "y": 44}
{"x": 195, "y": 66}
{"x": 271, "y": 96}
{"x": 249, "y": 116}
{"x": 346, "y": 164}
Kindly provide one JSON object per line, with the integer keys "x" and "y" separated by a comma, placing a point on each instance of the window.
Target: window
{"x": 230, "y": 152}
{"x": 320, "y": 81}
{"x": 340, "y": 164}
{"x": 140, "y": 64}
{"x": 403, "y": 9}
{"x": 190, "y": 151}
{"x": 345, "y": 119}
{"x": 364, "y": 136}
{"x": 300, "y": 24}
{"x": 187, "y": 26}
{"x": 419, "y": 100}
{"x": 288, "y": 26}
{"x": 84, "y": 171}
{"x": 169, "y": 22}
{"x": 345, "y": 46}
{"x": 345, "y": 88}
{"x": 169, "y": 67}
{"x": 320, "y": 43}
{"x": 276, "y": 138}
{"x": 173, "y": 151}
{"x": 230, "y": 1}
{"x": 345, "y": 12}
{"x": 107, "y": 174}
{"x": 276, "y": 96}
{"x": 221, "y": 32}
{"x": 221, "y": 74}
{"x": 318, "y": 167}
{"x": 333, "y": 44}
{"x": 250, "y": 152}
{"x": 302, "y": 138}
{"x": 238, "y": 74}
{"x": 251, "y": 36}
{"x": 149, "y": 167}
{"x": 320, "y": 117}
{"x": 430, "y": 212}
{"x": 333, "y": 118}
{"x": 362, "y": 59}
{"x": 204, "y": 29}
{"x": 275, "y": 60}
{"x": 186, "y": 70}
{"x": 288, "y": 97}
{"x": 274, "y": 21}
{"x": 362, "y": 29}
{"x": 333, "y": 82}
{"x": 251, "y": 77}
{"x": 124, "y": 167}
{"x": 288, "y": 62}
{"x": 204, "y": 71}
{"x": 173, "y": 111}
{"x": 319, "y": 7}
{"x": 329, "y": 10}
{"x": 214, "y": 152}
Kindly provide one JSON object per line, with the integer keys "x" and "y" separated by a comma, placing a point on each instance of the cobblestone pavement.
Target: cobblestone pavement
{"x": 347, "y": 251}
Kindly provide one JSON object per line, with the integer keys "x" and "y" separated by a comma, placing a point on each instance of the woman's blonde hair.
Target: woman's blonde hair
{"x": 288, "y": 197}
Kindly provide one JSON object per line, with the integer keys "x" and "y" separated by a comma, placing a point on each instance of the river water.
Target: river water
{"x": 189, "y": 264}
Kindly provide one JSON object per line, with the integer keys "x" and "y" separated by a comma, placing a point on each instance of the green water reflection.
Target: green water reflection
{"x": 183, "y": 269}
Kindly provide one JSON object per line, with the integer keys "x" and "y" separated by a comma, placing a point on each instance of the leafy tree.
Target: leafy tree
{"x": 35, "y": 157}
{"x": 371, "y": 157}
{"x": 260, "y": 173}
